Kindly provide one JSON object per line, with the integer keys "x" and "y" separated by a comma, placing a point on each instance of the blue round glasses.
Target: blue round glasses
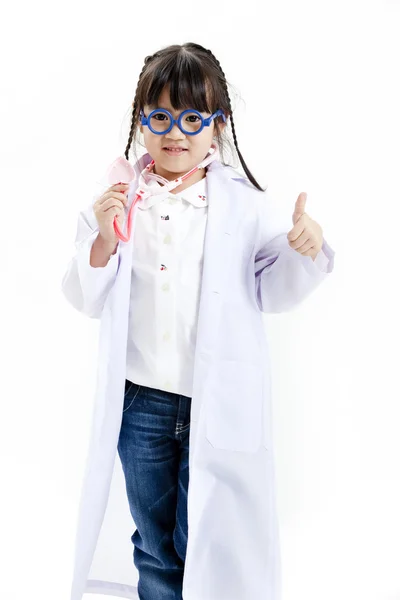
{"x": 161, "y": 121}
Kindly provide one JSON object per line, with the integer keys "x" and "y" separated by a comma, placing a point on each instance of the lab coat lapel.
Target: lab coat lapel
{"x": 221, "y": 225}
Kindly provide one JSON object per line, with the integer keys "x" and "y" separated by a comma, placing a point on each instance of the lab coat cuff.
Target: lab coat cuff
{"x": 323, "y": 263}
{"x": 95, "y": 279}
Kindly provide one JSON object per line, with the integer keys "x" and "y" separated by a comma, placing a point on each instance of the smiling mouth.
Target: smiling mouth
{"x": 175, "y": 150}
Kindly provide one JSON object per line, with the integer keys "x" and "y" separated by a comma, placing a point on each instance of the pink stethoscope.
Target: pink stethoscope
{"x": 122, "y": 169}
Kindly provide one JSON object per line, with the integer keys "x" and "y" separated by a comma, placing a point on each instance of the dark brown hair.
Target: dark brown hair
{"x": 194, "y": 76}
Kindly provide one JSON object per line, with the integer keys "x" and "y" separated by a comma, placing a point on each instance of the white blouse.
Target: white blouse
{"x": 167, "y": 265}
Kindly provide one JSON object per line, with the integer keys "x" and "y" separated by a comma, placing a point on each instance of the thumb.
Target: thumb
{"x": 300, "y": 207}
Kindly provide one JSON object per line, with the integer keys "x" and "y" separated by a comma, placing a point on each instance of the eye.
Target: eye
{"x": 160, "y": 116}
{"x": 192, "y": 118}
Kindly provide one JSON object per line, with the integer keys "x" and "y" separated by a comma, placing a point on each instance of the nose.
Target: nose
{"x": 176, "y": 133}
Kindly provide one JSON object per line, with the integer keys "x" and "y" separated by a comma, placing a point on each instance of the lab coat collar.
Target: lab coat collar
{"x": 219, "y": 177}
{"x": 216, "y": 167}
{"x": 122, "y": 170}
{"x": 196, "y": 194}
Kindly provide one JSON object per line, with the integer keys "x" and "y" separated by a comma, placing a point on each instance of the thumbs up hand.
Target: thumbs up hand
{"x": 306, "y": 235}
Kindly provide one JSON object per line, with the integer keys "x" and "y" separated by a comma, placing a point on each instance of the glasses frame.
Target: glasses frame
{"x": 204, "y": 122}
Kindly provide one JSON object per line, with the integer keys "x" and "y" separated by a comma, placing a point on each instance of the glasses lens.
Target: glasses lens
{"x": 191, "y": 122}
{"x": 160, "y": 122}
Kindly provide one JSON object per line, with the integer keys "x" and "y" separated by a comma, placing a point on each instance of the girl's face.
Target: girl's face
{"x": 196, "y": 146}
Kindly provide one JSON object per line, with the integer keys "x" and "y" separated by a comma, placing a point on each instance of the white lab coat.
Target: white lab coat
{"x": 233, "y": 550}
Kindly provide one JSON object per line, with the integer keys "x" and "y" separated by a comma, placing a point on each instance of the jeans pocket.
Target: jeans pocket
{"x": 234, "y": 406}
{"x": 131, "y": 391}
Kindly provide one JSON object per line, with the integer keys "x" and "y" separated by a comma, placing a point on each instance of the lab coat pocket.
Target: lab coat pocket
{"x": 234, "y": 406}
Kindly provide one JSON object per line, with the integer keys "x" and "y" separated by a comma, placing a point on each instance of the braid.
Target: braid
{"x": 246, "y": 169}
{"x": 134, "y": 105}
{"x": 228, "y": 101}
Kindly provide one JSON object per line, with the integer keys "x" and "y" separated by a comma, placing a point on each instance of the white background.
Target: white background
{"x": 316, "y": 110}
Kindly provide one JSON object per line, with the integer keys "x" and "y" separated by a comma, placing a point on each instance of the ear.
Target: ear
{"x": 221, "y": 127}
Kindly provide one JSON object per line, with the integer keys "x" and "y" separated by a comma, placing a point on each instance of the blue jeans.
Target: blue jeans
{"x": 154, "y": 450}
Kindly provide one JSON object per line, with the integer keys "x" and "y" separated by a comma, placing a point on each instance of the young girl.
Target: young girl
{"x": 183, "y": 376}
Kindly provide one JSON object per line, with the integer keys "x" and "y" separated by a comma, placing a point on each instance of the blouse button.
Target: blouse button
{"x": 165, "y": 287}
{"x": 167, "y": 239}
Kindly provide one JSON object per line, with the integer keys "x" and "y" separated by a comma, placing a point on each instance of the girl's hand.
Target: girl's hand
{"x": 306, "y": 236}
{"x": 109, "y": 205}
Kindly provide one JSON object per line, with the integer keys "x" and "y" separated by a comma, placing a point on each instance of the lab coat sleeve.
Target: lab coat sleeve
{"x": 284, "y": 277}
{"x": 84, "y": 286}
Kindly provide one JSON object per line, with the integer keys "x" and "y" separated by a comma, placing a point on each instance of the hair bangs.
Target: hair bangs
{"x": 187, "y": 81}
